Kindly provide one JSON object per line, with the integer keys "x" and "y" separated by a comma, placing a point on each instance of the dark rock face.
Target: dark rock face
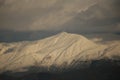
{"x": 98, "y": 70}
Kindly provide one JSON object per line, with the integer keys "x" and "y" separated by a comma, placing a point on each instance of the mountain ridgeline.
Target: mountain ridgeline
{"x": 59, "y": 56}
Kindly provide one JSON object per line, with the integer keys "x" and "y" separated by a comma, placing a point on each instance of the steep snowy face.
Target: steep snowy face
{"x": 63, "y": 48}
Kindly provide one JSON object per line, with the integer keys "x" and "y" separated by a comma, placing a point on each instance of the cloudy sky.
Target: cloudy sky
{"x": 86, "y": 16}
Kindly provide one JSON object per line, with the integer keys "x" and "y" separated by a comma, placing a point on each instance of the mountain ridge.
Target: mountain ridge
{"x": 63, "y": 48}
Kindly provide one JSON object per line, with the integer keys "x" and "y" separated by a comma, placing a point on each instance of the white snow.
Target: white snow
{"x": 55, "y": 50}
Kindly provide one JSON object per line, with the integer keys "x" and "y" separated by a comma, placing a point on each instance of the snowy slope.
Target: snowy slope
{"x": 63, "y": 48}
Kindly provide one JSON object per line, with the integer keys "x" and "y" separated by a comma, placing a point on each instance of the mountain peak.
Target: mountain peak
{"x": 64, "y": 33}
{"x": 68, "y": 34}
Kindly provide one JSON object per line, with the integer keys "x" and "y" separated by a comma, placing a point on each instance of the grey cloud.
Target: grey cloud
{"x": 102, "y": 17}
{"x": 29, "y": 14}
{"x": 54, "y": 19}
{"x": 64, "y": 15}
{"x": 1, "y": 2}
{"x": 18, "y": 14}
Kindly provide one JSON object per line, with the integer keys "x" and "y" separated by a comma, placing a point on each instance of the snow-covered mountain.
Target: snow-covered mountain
{"x": 61, "y": 50}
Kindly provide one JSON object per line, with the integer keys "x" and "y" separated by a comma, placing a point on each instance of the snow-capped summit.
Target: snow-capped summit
{"x": 63, "y": 48}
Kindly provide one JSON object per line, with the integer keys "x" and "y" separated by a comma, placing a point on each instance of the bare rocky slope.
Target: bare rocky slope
{"x": 63, "y": 50}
